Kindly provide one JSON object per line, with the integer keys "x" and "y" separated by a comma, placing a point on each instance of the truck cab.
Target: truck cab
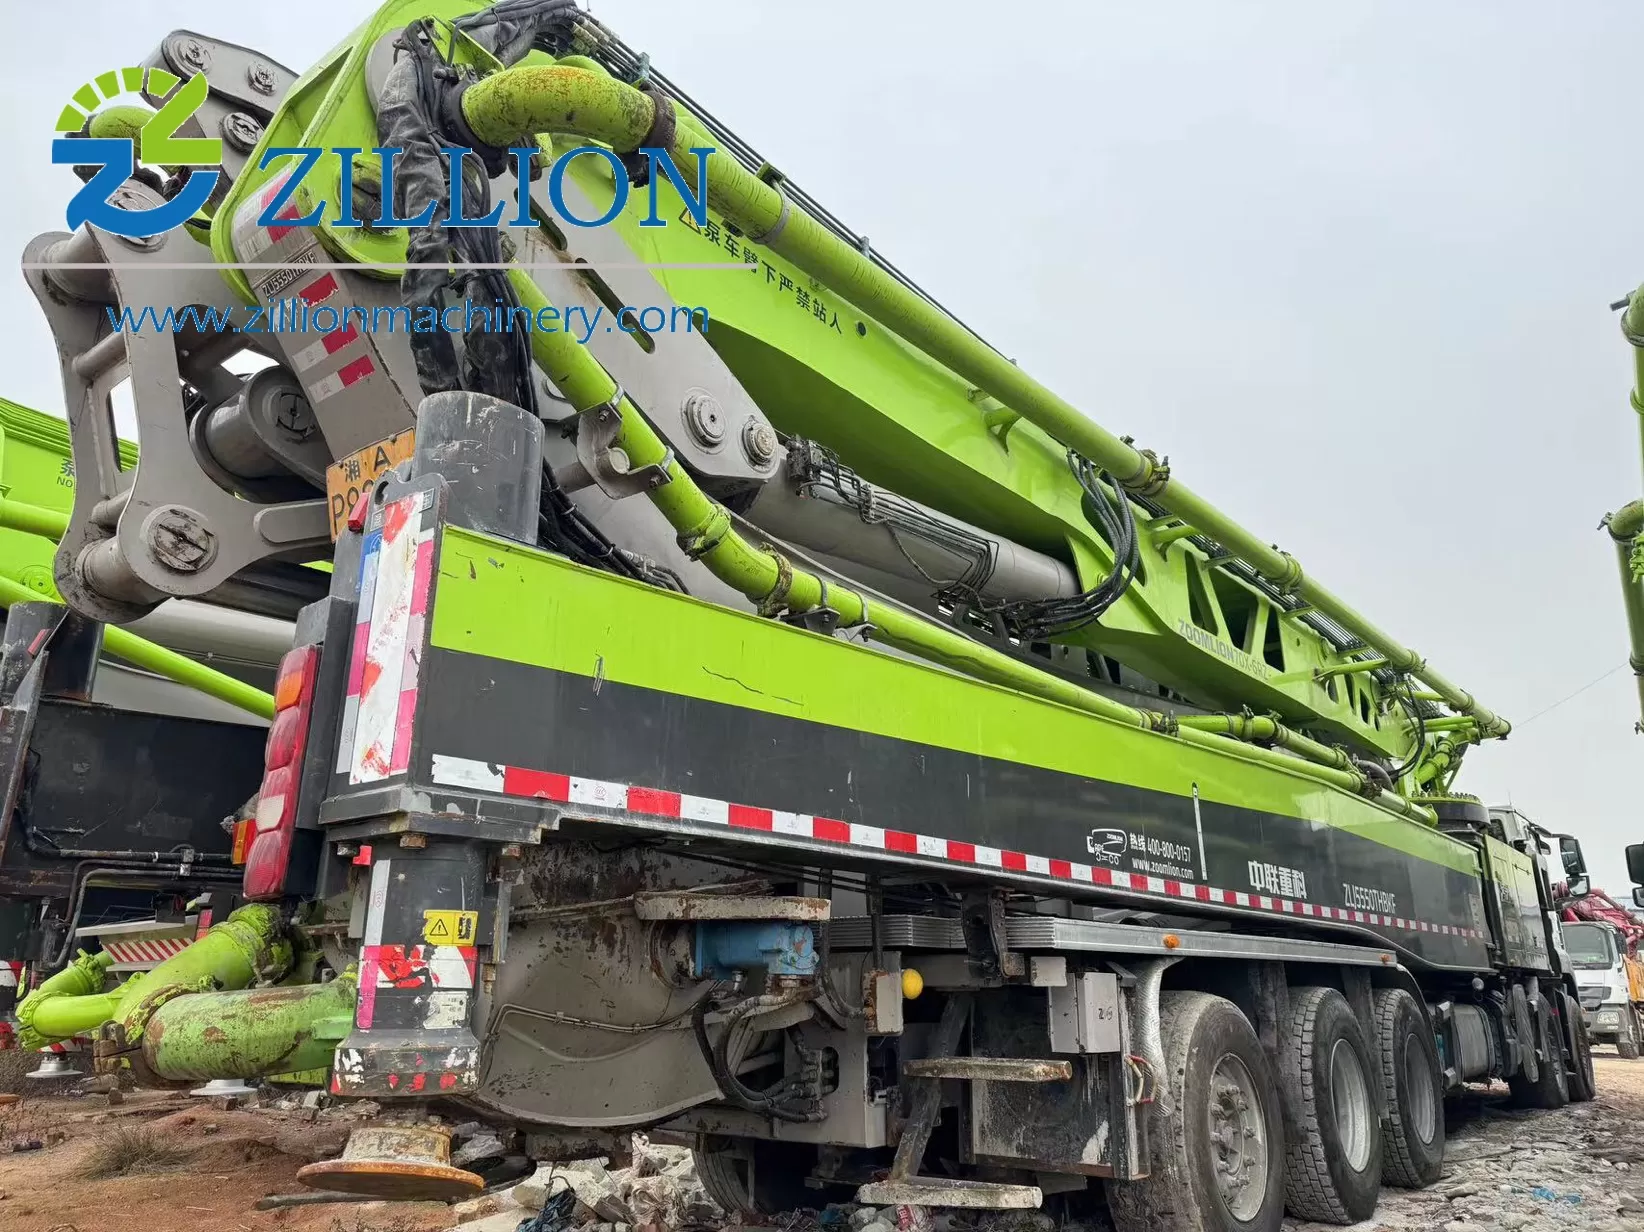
{"x": 1609, "y": 982}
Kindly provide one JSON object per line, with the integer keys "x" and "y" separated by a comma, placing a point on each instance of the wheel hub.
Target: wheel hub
{"x": 1238, "y": 1138}
{"x": 1418, "y": 1084}
{"x": 1350, "y": 1094}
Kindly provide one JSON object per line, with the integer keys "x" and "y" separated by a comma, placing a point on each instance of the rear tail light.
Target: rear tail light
{"x": 264, "y": 839}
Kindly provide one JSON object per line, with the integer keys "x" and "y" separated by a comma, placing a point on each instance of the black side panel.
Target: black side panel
{"x": 508, "y": 714}
{"x": 115, "y": 780}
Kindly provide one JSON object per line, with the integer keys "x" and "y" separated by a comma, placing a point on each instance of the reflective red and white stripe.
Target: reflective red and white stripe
{"x": 324, "y": 349}
{"x": 136, "y": 952}
{"x": 251, "y": 238}
{"x": 333, "y": 383}
{"x": 474, "y": 775}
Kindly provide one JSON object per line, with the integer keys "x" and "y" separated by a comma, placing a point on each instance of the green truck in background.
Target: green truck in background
{"x": 37, "y": 491}
{"x": 153, "y": 683}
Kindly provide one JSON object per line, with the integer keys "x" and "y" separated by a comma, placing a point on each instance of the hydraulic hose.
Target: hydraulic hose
{"x": 515, "y": 104}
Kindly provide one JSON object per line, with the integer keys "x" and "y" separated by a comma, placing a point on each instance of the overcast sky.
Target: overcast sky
{"x": 1347, "y": 264}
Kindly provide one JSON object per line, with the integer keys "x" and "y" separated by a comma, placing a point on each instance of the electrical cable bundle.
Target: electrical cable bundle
{"x": 1036, "y": 620}
{"x": 462, "y": 265}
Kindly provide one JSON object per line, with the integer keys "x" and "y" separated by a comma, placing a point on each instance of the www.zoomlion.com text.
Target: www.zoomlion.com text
{"x": 297, "y": 316}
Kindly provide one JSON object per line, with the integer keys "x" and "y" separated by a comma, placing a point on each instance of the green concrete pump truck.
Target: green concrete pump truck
{"x": 769, "y": 716}
{"x": 184, "y": 670}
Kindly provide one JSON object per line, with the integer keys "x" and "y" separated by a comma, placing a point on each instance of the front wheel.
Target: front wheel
{"x": 1583, "y": 1083}
{"x": 1626, "y": 1038}
{"x": 1551, "y": 1088}
{"x": 1218, "y": 1157}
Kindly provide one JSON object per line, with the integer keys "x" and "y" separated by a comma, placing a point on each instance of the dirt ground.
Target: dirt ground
{"x": 232, "y": 1159}
{"x": 1580, "y": 1168}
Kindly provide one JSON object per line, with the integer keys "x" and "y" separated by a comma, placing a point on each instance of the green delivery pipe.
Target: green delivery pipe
{"x": 249, "y": 1034}
{"x": 705, "y": 529}
{"x": 1625, "y": 525}
{"x": 1333, "y": 765}
{"x": 1270, "y": 731}
{"x": 250, "y": 944}
{"x": 515, "y": 104}
{"x": 1632, "y": 328}
{"x": 70, "y": 1003}
{"x": 33, "y": 520}
{"x": 140, "y": 652}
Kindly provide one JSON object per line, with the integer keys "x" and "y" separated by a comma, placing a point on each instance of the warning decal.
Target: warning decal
{"x": 449, "y": 927}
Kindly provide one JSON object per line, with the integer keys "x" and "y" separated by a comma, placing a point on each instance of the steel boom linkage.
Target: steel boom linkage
{"x": 514, "y": 104}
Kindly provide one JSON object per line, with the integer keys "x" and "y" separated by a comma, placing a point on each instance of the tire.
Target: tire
{"x": 1333, "y": 1164}
{"x": 1626, "y": 1039}
{"x": 1551, "y": 1088}
{"x": 753, "y": 1177}
{"x": 1583, "y": 1082}
{"x": 1413, "y": 1144}
{"x": 1215, "y": 1069}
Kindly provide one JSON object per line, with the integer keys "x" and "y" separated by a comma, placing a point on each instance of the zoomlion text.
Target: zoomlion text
{"x": 297, "y": 316}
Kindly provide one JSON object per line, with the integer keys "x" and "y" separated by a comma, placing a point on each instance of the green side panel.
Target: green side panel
{"x": 509, "y": 602}
{"x": 1512, "y": 881}
{"x": 36, "y": 469}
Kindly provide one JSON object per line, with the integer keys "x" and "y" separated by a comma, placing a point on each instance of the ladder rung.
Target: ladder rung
{"x": 943, "y": 1191}
{"x": 990, "y": 1069}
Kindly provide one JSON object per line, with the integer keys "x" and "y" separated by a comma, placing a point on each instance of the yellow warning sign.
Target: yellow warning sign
{"x": 449, "y": 927}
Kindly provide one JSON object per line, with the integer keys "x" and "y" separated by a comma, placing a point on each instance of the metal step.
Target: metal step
{"x": 989, "y": 1069}
{"x": 945, "y": 1191}
{"x": 902, "y": 1187}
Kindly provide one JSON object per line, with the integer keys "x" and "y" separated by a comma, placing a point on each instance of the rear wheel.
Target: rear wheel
{"x": 1583, "y": 1083}
{"x": 1333, "y": 1164}
{"x": 1413, "y": 1146}
{"x": 1551, "y": 1087}
{"x": 750, "y": 1176}
{"x": 1626, "y": 1039}
{"x": 1218, "y": 1157}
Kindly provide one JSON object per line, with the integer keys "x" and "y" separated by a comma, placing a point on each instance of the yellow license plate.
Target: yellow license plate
{"x": 347, "y": 478}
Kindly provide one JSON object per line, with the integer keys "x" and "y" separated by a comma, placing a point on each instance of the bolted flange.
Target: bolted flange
{"x": 705, "y": 418}
{"x": 759, "y": 442}
{"x": 241, "y": 131}
{"x": 180, "y": 539}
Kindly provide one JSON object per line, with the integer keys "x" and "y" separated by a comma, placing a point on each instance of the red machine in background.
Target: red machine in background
{"x": 1602, "y": 938}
